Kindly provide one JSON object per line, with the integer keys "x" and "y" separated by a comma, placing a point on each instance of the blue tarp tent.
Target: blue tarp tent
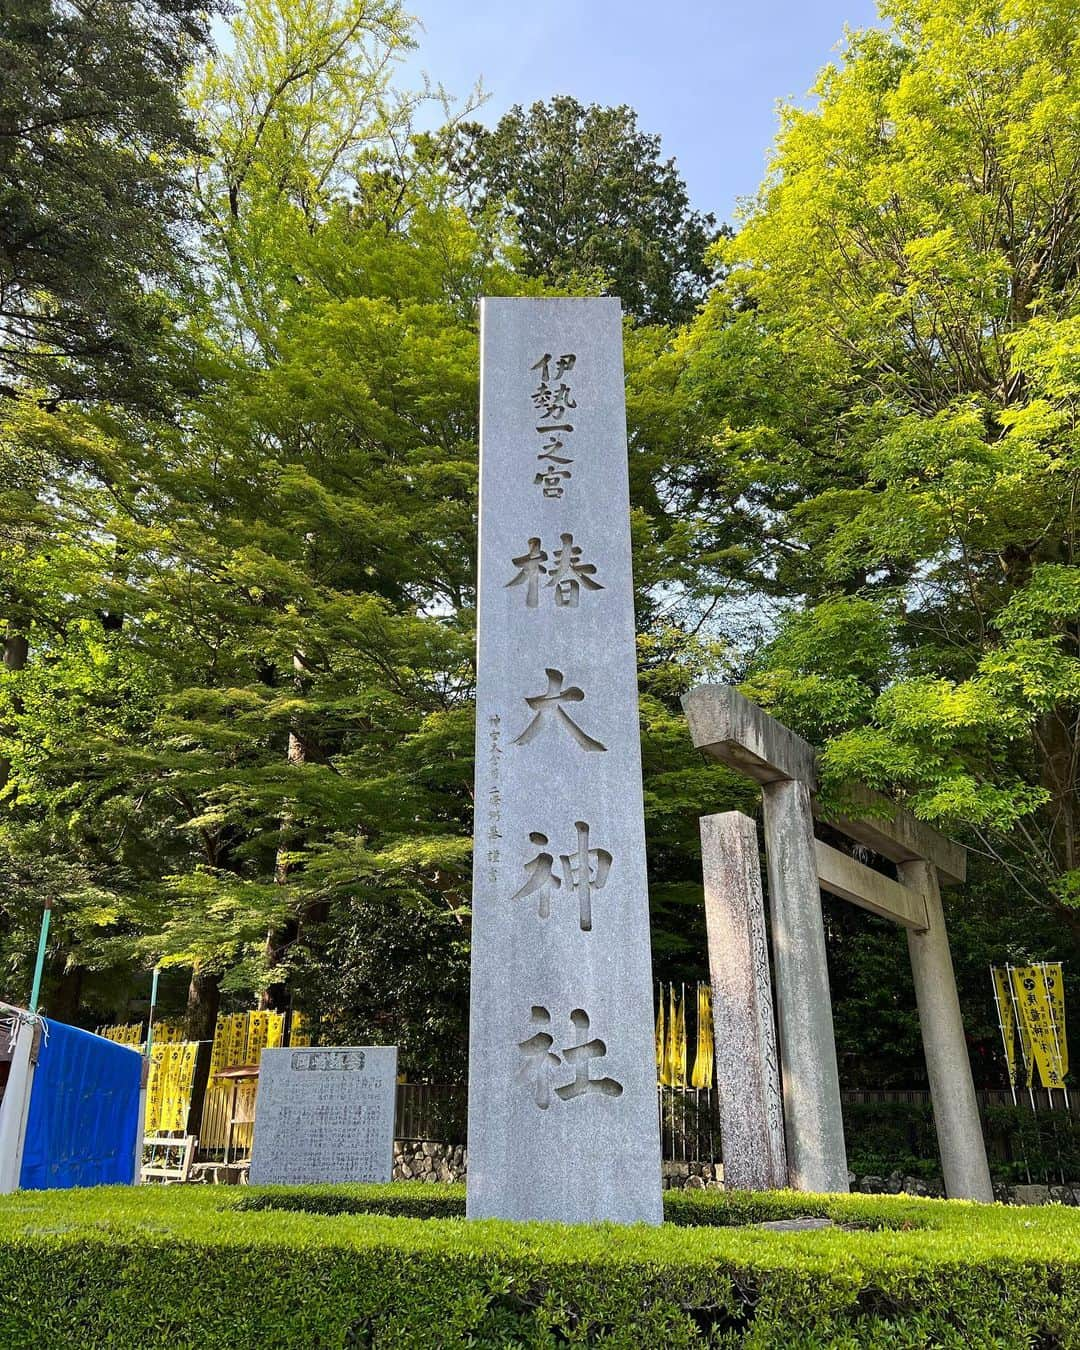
{"x": 84, "y": 1112}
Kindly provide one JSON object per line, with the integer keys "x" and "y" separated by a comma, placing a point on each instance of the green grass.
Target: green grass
{"x": 397, "y": 1265}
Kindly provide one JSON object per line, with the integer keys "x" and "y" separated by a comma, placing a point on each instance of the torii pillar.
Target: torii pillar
{"x": 733, "y": 730}
{"x": 729, "y": 728}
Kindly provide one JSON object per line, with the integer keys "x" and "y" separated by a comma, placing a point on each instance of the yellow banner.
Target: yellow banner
{"x": 1055, "y": 989}
{"x": 168, "y": 1089}
{"x": 671, "y": 1042}
{"x": 1041, "y": 1043}
{"x": 701, "y": 1076}
{"x": 679, "y": 1063}
{"x": 1007, "y": 1018}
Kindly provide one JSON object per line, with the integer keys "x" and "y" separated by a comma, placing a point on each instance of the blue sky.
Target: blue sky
{"x": 705, "y": 74}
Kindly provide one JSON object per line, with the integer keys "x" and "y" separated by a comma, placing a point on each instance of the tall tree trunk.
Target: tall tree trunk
{"x": 278, "y": 940}
{"x": 200, "y": 1019}
{"x": 203, "y": 1001}
{"x": 16, "y": 653}
{"x": 1059, "y": 773}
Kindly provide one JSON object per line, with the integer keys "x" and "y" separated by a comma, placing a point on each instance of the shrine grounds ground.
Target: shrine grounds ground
{"x": 161, "y": 1268}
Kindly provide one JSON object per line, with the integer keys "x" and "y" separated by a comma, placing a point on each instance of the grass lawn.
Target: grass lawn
{"x": 319, "y": 1267}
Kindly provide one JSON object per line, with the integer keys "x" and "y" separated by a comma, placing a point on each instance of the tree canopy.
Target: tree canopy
{"x": 591, "y": 199}
{"x": 238, "y": 442}
{"x": 912, "y": 264}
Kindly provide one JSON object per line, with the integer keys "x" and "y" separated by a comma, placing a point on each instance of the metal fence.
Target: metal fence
{"x": 1038, "y": 1138}
{"x": 689, "y": 1118}
{"x": 435, "y": 1111}
{"x": 1035, "y": 1137}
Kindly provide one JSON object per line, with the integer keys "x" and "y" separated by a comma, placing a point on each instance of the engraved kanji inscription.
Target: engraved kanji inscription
{"x": 548, "y": 707}
{"x": 540, "y": 876}
{"x": 570, "y": 574}
{"x": 552, "y": 400}
{"x": 541, "y": 1064}
{"x": 530, "y": 569}
{"x": 584, "y": 871}
{"x": 579, "y": 1057}
{"x": 567, "y": 575}
{"x": 563, "y": 366}
{"x": 553, "y": 480}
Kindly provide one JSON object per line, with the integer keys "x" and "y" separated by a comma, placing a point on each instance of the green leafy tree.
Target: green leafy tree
{"x": 94, "y": 211}
{"x": 94, "y": 136}
{"x": 591, "y": 197}
{"x": 889, "y": 372}
{"x": 244, "y": 740}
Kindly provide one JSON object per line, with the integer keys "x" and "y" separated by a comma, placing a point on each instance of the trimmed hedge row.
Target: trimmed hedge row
{"x": 215, "y": 1267}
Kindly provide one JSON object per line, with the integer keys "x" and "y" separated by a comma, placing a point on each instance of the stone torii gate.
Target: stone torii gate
{"x": 728, "y": 728}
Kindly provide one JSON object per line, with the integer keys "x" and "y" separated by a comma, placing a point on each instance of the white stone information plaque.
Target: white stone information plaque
{"x": 562, "y": 1075}
{"x": 325, "y": 1114}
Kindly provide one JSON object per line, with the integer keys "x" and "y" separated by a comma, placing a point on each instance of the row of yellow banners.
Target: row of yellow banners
{"x": 1031, "y": 1008}
{"x": 239, "y": 1040}
{"x": 1031, "y": 1011}
{"x": 134, "y": 1033}
{"x": 672, "y": 1043}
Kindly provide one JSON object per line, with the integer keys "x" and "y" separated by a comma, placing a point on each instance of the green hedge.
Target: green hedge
{"x": 174, "y": 1267}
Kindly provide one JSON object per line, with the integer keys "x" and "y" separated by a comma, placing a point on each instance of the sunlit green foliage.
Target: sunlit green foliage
{"x": 911, "y": 266}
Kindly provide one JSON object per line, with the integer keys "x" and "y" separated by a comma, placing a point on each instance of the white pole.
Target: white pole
{"x": 15, "y": 1106}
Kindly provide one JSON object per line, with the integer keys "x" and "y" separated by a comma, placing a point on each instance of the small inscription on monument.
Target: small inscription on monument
{"x": 325, "y": 1115}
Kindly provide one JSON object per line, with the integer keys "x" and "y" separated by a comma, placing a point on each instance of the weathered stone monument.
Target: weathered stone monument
{"x": 325, "y": 1114}
{"x": 729, "y": 728}
{"x": 562, "y": 1081}
{"x": 747, "y": 1070}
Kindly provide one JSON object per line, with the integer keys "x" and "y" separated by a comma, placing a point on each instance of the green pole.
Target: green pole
{"x": 39, "y": 964}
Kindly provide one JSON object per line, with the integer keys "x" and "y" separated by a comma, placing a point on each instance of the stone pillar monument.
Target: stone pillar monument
{"x": 817, "y": 1159}
{"x": 562, "y": 1079}
{"x": 747, "y": 1073}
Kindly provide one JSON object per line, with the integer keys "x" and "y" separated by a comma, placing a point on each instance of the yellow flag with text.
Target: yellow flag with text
{"x": 1006, "y": 1017}
{"x": 1042, "y": 1030}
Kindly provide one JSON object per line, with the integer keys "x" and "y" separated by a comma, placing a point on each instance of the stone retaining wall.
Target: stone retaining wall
{"x": 426, "y": 1161}
{"x": 416, "y": 1160}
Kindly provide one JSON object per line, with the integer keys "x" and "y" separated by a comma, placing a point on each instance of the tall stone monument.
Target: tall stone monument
{"x": 562, "y": 1079}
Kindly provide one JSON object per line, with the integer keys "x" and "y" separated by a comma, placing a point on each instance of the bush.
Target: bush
{"x": 1021, "y": 1145}
{"x": 221, "y": 1267}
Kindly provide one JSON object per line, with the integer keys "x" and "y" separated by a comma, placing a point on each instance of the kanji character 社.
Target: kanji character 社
{"x": 579, "y": 1057}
